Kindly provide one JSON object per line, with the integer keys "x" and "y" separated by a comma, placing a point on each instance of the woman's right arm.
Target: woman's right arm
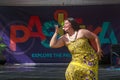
{"x": 54, "y": 42}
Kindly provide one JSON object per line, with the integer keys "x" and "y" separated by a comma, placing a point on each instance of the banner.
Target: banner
{"x": 27, "y": 30}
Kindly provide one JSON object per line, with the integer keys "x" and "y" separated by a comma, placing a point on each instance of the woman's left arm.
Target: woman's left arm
{"x": 90, "y": 35}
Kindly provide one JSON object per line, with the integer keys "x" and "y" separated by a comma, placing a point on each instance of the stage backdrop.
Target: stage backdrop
{"x": 27, "y": 30}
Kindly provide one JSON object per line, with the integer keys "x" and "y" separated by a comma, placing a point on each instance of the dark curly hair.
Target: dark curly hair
{"x": 74, "y": 23}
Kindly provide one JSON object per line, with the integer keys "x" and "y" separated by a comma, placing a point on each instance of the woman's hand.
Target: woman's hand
{"x": 56, "y": 29}
{"x": 100, "y": 54}
{"x": 56, "y": 42}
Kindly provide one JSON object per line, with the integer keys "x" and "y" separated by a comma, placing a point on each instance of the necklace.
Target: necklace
{"x": 73, "y": 37}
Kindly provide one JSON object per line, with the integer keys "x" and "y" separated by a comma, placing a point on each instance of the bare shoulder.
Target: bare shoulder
{"x": 83, "y": 30}
{"x": 86, "y": 33}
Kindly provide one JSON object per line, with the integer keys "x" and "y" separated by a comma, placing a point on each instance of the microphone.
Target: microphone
{"x": 58, "y": 25}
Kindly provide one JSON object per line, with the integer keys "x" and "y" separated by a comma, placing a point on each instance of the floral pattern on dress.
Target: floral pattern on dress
{"x": 84, "y": 63}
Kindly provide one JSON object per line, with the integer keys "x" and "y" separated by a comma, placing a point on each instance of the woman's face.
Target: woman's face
{"x": 67, "y": 25}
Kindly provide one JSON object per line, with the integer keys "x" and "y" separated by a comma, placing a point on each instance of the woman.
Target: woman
{"x": 84, "y": 63}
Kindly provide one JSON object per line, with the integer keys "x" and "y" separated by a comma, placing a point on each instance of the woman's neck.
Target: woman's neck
{"x": 71, "y": 32}
{"x": 72, "y": 37}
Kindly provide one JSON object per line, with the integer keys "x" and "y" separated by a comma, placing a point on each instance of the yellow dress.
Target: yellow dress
{"x": 84, "y": 63}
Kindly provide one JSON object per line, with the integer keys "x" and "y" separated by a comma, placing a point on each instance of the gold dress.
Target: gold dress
{"x": 84, "y": 63}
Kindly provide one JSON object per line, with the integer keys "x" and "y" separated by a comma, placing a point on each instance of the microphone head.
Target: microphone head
{"x": 58, "y": 25}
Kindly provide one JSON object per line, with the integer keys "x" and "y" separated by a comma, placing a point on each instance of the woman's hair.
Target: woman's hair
{"x": 74, "y": 23}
